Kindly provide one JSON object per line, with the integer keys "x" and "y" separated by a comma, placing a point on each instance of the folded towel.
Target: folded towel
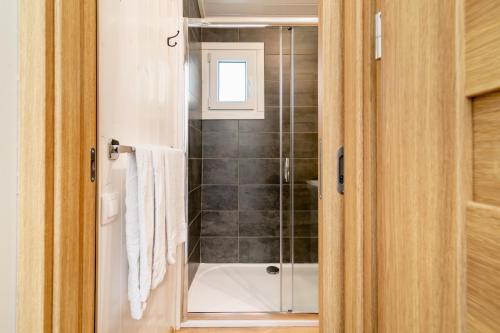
{"x": 139, "y": 228}
{"x": 175, "y": 171}
{"x": 160, "y": 246}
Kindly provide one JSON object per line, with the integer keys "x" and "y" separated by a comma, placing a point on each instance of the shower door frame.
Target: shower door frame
{"x": 273, "y": 315}
{"x": 37, "y": 263}
{"x": 346, "y": 44}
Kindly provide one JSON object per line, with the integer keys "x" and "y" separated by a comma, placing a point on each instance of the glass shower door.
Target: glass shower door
{"x": 300, "y": 159}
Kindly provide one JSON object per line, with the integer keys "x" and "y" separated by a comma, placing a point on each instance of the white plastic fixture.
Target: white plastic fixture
{"x": 233, "y": 80}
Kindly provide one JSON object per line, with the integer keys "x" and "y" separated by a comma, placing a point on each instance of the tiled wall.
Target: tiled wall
{"x": 240, "y": 165}
{"x": 195, "y": 139}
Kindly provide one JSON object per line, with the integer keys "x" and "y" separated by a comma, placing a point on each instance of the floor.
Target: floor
{"x": 252, "y": 330}
{"x": 249, "y": 288}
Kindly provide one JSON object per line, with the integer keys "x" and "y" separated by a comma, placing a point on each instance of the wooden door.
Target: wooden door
{"x": 482, "y": 232}
{"x": 421, "y": 175}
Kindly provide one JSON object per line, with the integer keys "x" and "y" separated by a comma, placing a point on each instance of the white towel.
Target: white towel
{"x": 132, "y": 238}
{"x": 160, "y": 246}
{"x": 139, "y": 228}
{"x": 175, "y": 169}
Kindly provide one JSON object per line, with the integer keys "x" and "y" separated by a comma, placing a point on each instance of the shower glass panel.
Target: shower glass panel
{"x": 299, "y": 190}
{"x": 253, "y": 183}
{"x": 304, "y": 168}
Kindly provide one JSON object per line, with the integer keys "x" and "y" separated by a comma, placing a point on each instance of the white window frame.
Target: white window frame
{"x": 253, "y": 55}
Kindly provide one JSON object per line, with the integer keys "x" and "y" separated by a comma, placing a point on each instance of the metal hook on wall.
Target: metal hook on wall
{"x": 169, "y": 38}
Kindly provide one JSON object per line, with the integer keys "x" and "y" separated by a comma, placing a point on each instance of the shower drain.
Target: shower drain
{"x": 272, "y": 270}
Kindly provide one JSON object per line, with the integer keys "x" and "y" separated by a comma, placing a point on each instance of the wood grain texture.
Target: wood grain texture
{"x": 74, "y": 193}
{"x": 354, "y": 164}
{"x": 371, "y": 98}
{"x": 57, "y": 200}
{"x": 251, "y": 330}
{"x": 483, "y": 268}
{"x": 331, "y": 211}
{"x": 482, "y": 56}
{"x": 360, "y": 96}
{"x": 486, "y": 122}
{"x": 482, "y": 46}
{"x": 36, "y": 176}
{"x": 462, "y": 182}
{"x": 89, "y": 140}
{"x": 251, "y": 316}
{"x": 417, "y": 172}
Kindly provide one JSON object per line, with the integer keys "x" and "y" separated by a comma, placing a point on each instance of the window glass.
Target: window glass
{"x": 232, "y": 81}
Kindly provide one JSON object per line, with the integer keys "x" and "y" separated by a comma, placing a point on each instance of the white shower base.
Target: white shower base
{"x": 249, "y": 288}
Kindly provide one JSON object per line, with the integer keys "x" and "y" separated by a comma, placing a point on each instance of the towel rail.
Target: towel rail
{"x": 115, "y": 149}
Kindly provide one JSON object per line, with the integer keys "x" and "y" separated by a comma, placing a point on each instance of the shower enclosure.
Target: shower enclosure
{"x": 253, "y": 230}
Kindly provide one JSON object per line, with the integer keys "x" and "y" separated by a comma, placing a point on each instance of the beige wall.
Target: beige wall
{"x": 140, "y": 102}
{"x": 9, "y": 160}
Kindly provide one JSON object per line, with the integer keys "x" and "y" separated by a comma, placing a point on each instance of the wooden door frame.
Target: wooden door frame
{"x": 361, "y": 91}
{"x": 56, "y": 242}
{"x": 330, "y": 137}
{"x": 348, "y": 107}
{"x": 56, "y": 265}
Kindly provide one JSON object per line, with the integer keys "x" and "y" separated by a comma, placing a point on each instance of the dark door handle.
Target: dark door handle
{"x": 340, "y": 170}
{"x": 92, "y": 165}
{"x": 172, "y": 37}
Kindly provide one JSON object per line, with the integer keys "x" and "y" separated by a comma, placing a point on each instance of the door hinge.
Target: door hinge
{"x": 378, "y": 35}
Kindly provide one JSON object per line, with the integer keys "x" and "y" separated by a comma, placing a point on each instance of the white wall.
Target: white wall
{"x": 140, "y": 101}
{"x": 9, "y": 161}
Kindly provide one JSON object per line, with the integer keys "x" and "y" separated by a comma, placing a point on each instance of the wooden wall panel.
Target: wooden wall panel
{"x": 482, "y": 45}
{"x": 483, "y": 268}
{"x": 417, "y": 168}
{"x": 486, "y": 126}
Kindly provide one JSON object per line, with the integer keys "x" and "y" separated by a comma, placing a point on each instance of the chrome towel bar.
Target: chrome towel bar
{"x": 115, "y": 149}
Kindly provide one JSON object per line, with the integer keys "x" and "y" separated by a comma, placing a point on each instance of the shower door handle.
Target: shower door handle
{"x": 287, "y": 170}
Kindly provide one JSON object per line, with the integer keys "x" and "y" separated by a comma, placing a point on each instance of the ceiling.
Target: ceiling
{"x": 259, "y": 8}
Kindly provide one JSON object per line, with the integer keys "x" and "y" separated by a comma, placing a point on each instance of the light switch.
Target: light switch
{"x": 110, "y": 203}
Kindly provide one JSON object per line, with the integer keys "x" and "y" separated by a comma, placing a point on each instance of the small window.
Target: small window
{"x": 233, "y": 81}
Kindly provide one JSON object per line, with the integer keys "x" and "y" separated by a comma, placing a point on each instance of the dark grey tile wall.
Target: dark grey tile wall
{"x": 195, "y": 142}
{"x": 191, "y": 9}
{"x": 240, "y": 192}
